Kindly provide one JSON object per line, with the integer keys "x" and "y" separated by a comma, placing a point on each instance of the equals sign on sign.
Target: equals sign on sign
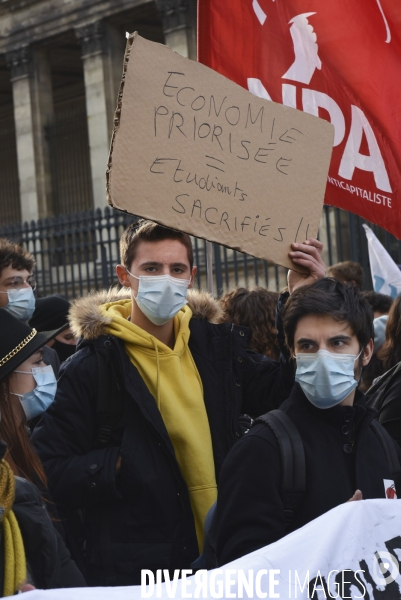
{"x": 215, "y": 163}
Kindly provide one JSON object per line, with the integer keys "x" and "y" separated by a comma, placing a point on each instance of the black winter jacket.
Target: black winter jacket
{"x": 385, "y": 397}
{"x": 142, "y": 518}
{"x": 48, "y": 560}
{"x": 342, "y": 454}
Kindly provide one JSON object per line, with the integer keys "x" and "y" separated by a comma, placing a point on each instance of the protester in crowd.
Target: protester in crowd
{"x": 32, "y": 554}
{"x": 16, "y": 280}
{"x": 329, "y": 330}
{"x": 385, "y": 394}
{"x": 148, "y": 407}
{"x": 347, "y": 272}
{"x": 390, "y": 352}
{"x": 375, "y": 368}
{"x": 380, "y": 303}
{"x": 27, "y": 388}
{"x": 50, "y": 313}
{"x": 17, "y": 285}
{"x": 256, "y": 310}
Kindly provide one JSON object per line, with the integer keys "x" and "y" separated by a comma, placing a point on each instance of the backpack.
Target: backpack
{"x": 293, "y": 481}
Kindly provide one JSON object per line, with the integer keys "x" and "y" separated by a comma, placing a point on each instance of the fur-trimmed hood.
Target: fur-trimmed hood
{"x": 88, "y": 322}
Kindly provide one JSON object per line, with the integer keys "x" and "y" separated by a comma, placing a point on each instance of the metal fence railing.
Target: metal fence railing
{"x": 70, "y": 166}
{"x": 77, "y": 253}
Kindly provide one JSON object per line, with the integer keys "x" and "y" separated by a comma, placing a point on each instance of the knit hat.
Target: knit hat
{"x": 50, "y": 313}
{"x": 18, "y": 342}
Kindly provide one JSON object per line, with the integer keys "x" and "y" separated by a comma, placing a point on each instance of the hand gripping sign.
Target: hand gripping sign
{"x": 338, "y": 60}
{"x": 196, "y": 152}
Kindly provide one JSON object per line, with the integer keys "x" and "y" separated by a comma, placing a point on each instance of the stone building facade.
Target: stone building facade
{"x": 60, "y": 69}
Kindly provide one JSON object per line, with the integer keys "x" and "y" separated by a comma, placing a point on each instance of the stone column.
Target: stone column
{"x": 33, "y": 113}
{"x": 179, "y": 25}
{"x": 102, "y": 55}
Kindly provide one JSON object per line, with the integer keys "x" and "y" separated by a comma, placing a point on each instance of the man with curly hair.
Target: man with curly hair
{"x": 17, "y": 285}
{"x": 16, "y": 281}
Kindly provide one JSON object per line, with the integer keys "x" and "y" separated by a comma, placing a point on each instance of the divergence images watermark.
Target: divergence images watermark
{"x": 264, "y": 583}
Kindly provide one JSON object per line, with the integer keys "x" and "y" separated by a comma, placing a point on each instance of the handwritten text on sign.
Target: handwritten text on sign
{"x": 198, "y": 153}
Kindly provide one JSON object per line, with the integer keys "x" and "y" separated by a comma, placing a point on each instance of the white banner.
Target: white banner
{"x": 350, "y": 552}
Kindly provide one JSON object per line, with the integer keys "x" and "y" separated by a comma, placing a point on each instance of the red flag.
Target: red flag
{"x": 337, "y": 59}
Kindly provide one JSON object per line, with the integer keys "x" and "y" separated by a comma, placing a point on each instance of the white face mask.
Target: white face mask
{"x": 160, "y": 297}
{"x": 21, "y": 303}
{"x": 326, "y": 378}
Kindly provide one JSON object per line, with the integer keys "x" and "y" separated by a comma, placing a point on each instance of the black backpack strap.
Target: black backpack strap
{"x": 388, "y": 446}
{"x": 292, "y": 460}
{"x": 110, "y": 398}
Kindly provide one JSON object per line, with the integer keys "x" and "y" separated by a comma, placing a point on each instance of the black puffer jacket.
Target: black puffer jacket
{"x": 142, "y": 518}
{"x": 343, "y": 453}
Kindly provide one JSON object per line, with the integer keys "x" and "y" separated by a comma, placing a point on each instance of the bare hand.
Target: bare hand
{"x": 356, "y": 496}
{"x": 306, "y": 255}
{"x": 27, "y": 587}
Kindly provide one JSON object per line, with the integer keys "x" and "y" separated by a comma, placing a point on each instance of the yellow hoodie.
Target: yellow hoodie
{"x": 173, "y": 380}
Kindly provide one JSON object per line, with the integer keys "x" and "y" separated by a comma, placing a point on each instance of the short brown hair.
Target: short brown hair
{"x": 254, "y": 309}
{"x": 148, "y": 231}
{"x": 347, "y": 272}
{"x": 14, "y": 255}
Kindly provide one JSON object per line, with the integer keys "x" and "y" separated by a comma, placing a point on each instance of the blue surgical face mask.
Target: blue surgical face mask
{"x": 379, "y": 327}
{"x": 160, "y": 297}
{"x": 37, "y": 401}
{"x": 21, "y": 303}
{"x": 326, "y": 378}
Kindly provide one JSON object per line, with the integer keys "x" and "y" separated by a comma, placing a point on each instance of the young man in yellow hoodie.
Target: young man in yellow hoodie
{"x": 143, "y": 487}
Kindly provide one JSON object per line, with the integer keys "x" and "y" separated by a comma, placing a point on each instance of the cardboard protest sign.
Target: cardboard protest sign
{"x": 198, "y": 153}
